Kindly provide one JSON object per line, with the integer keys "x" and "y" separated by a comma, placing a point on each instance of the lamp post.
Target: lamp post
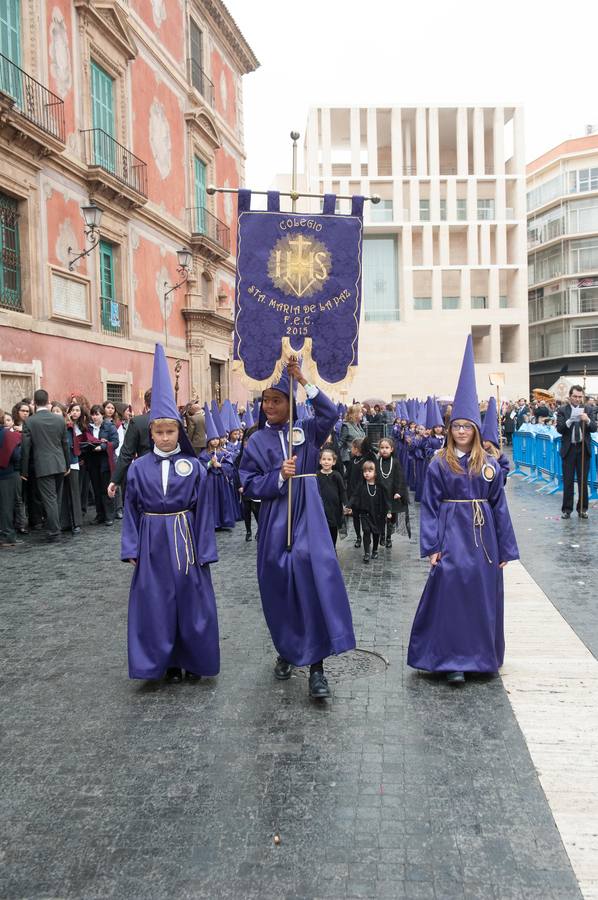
{"x": 184, "y": 257}
{"x": 92, "y": 216}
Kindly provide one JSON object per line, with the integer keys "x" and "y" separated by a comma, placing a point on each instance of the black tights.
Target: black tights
{"x": 375, "y": 540}
{"x": 357, "y": 525}
{"x": 249, "y": 506}
{"x": 333, "y": 533}
{"x": 390, "y": 526}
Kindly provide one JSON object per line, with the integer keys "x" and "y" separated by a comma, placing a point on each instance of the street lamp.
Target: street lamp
{"x": 92, "y": 216}
{"x": 184, "y": 258}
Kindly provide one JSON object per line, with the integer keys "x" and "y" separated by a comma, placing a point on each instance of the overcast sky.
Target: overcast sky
{"x": 393, "y": 52}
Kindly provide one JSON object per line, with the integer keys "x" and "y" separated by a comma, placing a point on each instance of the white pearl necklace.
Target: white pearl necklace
{"x": 382, "y": 470}
{"x": 369, "y": 492}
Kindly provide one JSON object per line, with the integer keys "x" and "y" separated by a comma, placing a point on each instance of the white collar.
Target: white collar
{"x": 460, "y": 454}
{"x": 164, "y": 455}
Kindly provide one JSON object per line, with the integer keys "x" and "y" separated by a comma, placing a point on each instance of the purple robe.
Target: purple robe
{"x": 418, "y": 448}
{"x": 172, "y": 609}
{"x": 221, "y": 489}
{"x": 303, "y": 593}
{"x": 458, "y": 625}
{"x": 505, "y": 466}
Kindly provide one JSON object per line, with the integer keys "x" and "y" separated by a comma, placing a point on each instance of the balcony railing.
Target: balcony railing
{"x": 200, "y": 81}
{"x": 34, "y": 101}
{"x": 114, "y": 317}
{"x": 202, "y": 221}
{"x": 103, "y": 151}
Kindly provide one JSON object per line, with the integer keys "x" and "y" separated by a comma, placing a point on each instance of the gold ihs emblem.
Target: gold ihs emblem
{"x": 299, "y": 265}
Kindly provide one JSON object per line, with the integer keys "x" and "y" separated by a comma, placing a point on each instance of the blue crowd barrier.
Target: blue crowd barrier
{"x": 537, "y": 458}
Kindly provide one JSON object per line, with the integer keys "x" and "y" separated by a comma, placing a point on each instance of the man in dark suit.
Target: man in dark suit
{"x": 45, "y": 441}
{"x": 136, "y": 443}
{"x": 575, "y": 422}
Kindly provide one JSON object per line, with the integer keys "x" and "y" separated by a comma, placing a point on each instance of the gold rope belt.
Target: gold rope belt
{"x": 478, "y": 520}
{"x": 180, "y": 529}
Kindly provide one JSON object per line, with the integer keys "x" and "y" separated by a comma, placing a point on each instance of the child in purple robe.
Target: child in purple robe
{"x": 467, "y": 534}
{"x": 220, "y": 469}
{"x": 491, "y": 439}
{"x": 303, "y": 594}
{"x": 168, "y": 535}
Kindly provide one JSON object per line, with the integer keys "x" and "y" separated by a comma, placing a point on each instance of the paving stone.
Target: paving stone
{"x": 397, "y": 787}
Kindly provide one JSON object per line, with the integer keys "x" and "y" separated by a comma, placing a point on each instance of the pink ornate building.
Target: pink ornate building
{"x": 136, "y": 104}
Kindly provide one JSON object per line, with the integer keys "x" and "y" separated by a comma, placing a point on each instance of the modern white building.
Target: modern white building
{"x": 445, "y": 250}
{"x": 562, "y": 202}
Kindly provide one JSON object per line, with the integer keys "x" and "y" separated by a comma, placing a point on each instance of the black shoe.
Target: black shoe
{"x": 248, "y": 536}
{"x": 53, "y": 538}
{"x": 192, "y": 677}
{"x": 76, "y": 530}
{"x": 357, "y": 543}
{"x": 565, "y": 515}
{"x": 388, "y": 543}
{"x": 256, "y": 536}
{"x": 374, "y": 554}
{"x": 118, "y": 514}
{"x": 282, "y": 669}
{"x": 583, "y": 515}
{"x": 22, "y": 531}
{"x": 173, "y": 676}
{"x": 366, "y": 557}
{"x": 455, "y": 678}
{"x": 318, "y": 686}
{"x": 109, "y": 522}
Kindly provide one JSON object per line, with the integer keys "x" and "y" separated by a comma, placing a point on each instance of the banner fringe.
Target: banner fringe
{"x": 309, "y": 367}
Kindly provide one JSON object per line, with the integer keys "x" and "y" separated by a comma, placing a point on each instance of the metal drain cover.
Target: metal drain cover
{"x": 353, "y": 664}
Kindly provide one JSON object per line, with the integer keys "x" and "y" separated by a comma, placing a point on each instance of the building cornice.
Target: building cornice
{"x": 232, "y": 34}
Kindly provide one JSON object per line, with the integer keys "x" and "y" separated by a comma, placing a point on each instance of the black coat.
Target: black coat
{"x": 334, "y": 498}
{"x": 374, "y": 510}
{"x": 564, "y": 413}
{"x": 136, "y": 443}
{"x": 45, "y": 440}
{"x": 394, "y": 483}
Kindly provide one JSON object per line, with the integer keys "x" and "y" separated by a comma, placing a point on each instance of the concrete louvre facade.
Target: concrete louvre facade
{"x": 444, "y": 253}
{"x": 139, "y": 106}
{"x": 562, "y": 204}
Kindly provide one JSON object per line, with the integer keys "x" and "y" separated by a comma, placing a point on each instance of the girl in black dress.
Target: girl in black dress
{"x": 371, "y": 505}
{"x": 332, "y": 491}
{"x": 391, "y": 478}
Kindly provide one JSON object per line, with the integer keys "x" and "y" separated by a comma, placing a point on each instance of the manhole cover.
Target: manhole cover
{"x": 354, "y": 664}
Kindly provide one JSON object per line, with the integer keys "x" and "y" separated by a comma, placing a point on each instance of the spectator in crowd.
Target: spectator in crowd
{"x": 195, "y": 426}
{"x": 575, "y": 422}
{"x": 522, "y": 412}
{"x": 10, "y": 459}
{"x": 137, "y": 443}
{"x": 351, "y": 430}
{"x": 101, "y": 443}
{"x": 44, "y": 437}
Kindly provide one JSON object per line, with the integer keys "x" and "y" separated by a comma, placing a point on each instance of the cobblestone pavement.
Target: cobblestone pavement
{"x": 398, "y": 787}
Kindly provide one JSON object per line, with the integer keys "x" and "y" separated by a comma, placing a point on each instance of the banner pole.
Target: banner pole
{"x": 293, "y": 194}
{"x": 499, "y": 416}
{"x": 294, "y": 137}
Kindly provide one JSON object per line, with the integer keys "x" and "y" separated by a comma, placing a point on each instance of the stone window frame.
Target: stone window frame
{"x": 124, "y": 378}
{"x": 27, "y": 242}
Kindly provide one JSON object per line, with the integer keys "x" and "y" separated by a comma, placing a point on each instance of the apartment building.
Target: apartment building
{"x": 134, "y": 105}
{"x": 562, "y": 205}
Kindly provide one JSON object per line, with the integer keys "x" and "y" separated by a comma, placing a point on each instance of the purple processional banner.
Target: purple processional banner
{"x": 298, "y": 288}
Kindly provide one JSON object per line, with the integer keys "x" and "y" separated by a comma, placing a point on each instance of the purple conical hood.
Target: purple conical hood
{"x": 490, "y": 426}
{"x": 163, "y": 402}
{"x": 217, "y": 419}
{"x": 421, "y": 413}
{"x": 227, "y": 416}
{"x": 211, "y": 430}
{"x": 247, "y": 416}
{"x": 433, "y": 414}
{"x": 465, "y": 404}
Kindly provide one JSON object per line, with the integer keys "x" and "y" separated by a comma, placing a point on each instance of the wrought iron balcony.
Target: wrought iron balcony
{"x": 114, "y": 317}
{"x": 200, "y": 81}
{"x": 103, "y": 151}
{"x": 31, "y": 99}
{"x": 204, "y": 224}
